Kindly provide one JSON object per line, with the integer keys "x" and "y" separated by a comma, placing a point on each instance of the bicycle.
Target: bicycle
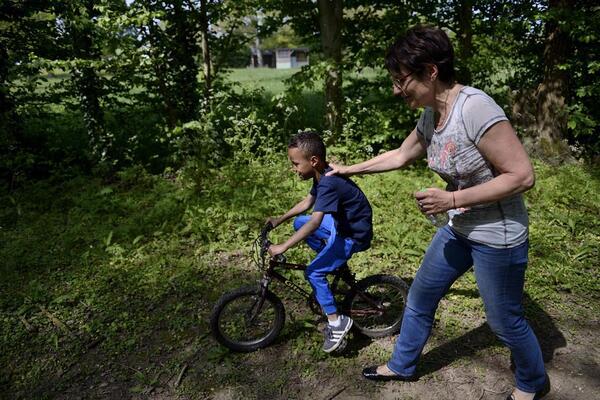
{"x": 251, "y": 317}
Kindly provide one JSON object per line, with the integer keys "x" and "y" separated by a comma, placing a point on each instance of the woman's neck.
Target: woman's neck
{"x": 443, "y": 99}
{"x": 442, "y": 94}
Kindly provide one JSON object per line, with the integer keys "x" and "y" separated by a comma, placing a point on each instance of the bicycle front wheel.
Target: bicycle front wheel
{"x": 376, "y": 304}
{"x": 242, "y": 321}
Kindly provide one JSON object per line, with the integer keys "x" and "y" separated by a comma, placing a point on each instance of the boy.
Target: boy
{"x": 340, "y": 225}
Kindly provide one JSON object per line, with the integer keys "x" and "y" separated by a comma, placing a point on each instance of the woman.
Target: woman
{"x": 472, "y": 146}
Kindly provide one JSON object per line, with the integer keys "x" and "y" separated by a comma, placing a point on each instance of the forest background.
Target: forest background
{"x": 139, "y": 156}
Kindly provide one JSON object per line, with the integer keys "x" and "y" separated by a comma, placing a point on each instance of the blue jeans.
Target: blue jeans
{"x": 333, "y": 251}
{"x": 500, "y": 276}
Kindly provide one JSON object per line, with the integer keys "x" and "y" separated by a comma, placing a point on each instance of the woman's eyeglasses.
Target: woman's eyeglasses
{"x": 401, "y": 82}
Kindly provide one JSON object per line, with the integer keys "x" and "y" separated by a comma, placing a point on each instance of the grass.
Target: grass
{"x": 270, "y": 79}
{"x": 120, "y": 276}
{"x": 107, "y": 285}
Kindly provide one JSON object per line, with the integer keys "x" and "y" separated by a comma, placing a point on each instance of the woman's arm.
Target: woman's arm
{"x": 410, "y": 150}
{"x": 502, "y": 148}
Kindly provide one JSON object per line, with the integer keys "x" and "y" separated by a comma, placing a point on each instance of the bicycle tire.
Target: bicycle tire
{"x": 230, "y": 327}
{"x": 389, "y": 293}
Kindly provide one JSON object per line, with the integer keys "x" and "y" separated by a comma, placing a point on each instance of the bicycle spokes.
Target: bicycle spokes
{"x": 247, "y": 318}
{"x": 377, "y": 306}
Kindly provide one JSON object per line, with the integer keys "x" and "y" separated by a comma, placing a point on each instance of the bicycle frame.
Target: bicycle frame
{"x": 270, "y": 274}
{"x": 251, "y": 317}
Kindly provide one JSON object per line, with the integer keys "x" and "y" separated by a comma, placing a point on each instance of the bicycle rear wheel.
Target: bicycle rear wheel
{"x": 241, "y": 323}
{"x": 376, "y": 305}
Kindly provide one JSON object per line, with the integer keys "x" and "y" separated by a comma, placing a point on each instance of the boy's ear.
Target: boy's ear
{"x": 314, "y": 160}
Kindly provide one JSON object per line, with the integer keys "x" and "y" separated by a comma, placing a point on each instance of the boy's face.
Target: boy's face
{"x": 301, "y": 163}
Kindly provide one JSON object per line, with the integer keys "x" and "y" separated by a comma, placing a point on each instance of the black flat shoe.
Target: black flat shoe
{"x": 371, "y": 373}
{"x": 538, "y": 395}
{"x": 545, "y": 390}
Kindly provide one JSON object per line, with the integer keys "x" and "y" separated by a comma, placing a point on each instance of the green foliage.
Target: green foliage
{"x": 104, "y": 85}
{"x": 237, "y": 128}
{"x": 169, "y": 41}
{"x": 374, "y": 120}
{"x": 133, "y": 262}
{"x": 564, "y": 232}
{"x": 112, "y": 60}
{"x": 582, "y": 26}
{"x": 284, "y": 37}
{"x": 139, "y": 260}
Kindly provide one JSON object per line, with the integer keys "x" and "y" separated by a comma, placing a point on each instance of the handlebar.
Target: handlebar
{"x": 265, "y": 243}
{"x": 266, "y": 229}
{"x": 264, "y": 240}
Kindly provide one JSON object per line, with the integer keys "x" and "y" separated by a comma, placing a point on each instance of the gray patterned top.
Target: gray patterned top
{"x": 453, "y": 154}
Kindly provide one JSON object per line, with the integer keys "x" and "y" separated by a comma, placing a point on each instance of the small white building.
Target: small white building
{"x": 291, "y": 58}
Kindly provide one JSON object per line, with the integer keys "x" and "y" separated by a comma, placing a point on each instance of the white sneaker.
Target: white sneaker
{"x": 334, "y": 336}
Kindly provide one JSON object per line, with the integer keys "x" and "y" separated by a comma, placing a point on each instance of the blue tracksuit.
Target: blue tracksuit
{"x": 346, "y": 229}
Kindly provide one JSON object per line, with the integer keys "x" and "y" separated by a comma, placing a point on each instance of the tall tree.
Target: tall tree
{"x": 206, "y": 57}
{"x": 330, "y": 22}
{"x": 551, "y": 115}
{"x": 168, "y": 34}
{"x": 369, "y": 29}
{"x": 27, "y": 31}
{"x": 8, "y": 117}
{"x": 464, "y": 34}
{"x": 80, "y": 20}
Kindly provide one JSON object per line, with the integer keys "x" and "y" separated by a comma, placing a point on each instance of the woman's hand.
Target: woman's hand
{"x": 338, "y": 170}
{"x": 433, "y": 201}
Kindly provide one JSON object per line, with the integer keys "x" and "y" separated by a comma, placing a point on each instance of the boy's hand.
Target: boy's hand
{"x": 276, "y": 249}
{"x": 274, "y": 221}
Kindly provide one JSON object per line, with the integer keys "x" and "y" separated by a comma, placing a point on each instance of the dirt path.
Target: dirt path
{"x": 470, "y": 364}
{"x": 574, "y": 372}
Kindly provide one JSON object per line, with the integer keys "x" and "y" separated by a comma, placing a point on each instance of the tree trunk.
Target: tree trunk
{"x": 5, "y": 103}
{"x": 7, "y": 107}
{"x": 330, "y": 21}
{"x": 259, "y": 57}
{"x": 465, "y": 41}
{"x": 183, "y": 49}
{"x": 88, "y": 83}
{"x": 10, "y": 128}
{"x": 88, "y": 87}
{"x": 161, "y": 75}
{"x": 206, "y": 62}
{"x": 551, "y": 113}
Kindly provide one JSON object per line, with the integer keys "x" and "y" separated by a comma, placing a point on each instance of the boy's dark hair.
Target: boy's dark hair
{"x": 419, "y": 46}
{"x": 310, "y": 143}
